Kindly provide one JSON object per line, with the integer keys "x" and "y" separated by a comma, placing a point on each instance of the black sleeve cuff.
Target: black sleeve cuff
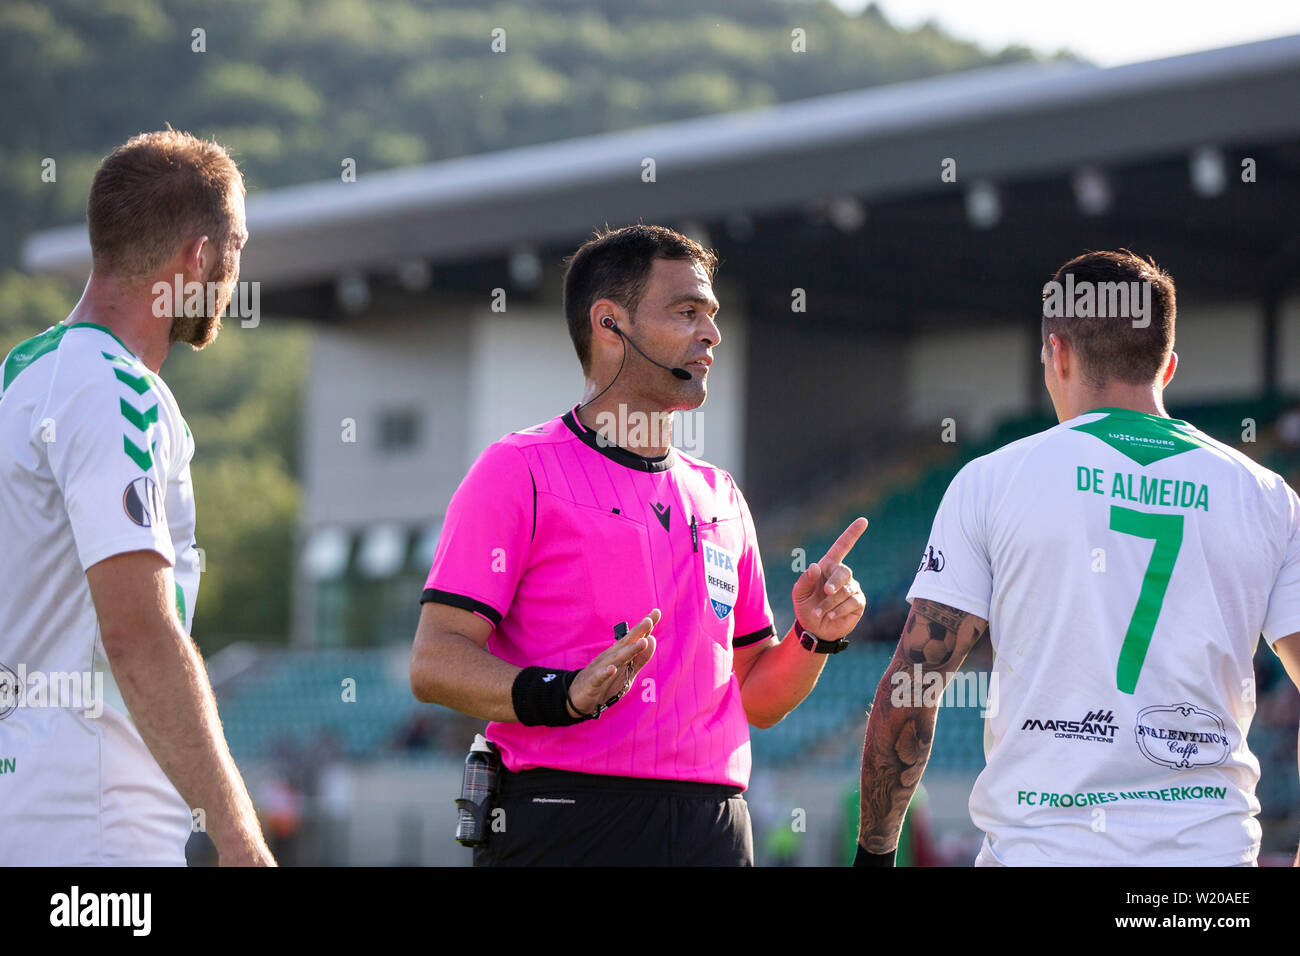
{"x": 865, "y": 858}
{"x": 453, "y": 599}
{"x": 744, "y": 640}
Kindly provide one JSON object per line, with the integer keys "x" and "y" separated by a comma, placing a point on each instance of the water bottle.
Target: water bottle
{"x": 476, "y": 788}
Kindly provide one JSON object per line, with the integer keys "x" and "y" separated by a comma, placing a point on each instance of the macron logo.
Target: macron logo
{"x": 548, "y": 678}
{"x": 102, "y": 909}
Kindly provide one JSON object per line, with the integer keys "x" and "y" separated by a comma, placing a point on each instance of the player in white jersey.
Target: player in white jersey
{"x": 109, "y": 740}
{"x": 1124, "y": 565}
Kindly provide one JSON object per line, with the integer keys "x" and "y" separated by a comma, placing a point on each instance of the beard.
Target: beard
{"x": 197, "y": 331}
{"x": 200, "y": 331}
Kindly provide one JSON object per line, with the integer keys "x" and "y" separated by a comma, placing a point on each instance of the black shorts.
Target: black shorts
{"x": 560, "y": 818}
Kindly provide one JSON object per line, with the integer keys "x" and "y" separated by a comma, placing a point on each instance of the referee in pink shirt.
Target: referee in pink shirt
{"x": 598, "y": 596}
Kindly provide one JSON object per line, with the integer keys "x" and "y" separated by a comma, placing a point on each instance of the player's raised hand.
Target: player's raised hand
{"x": 614, "y": 668}
{"x": 828, "y": 600}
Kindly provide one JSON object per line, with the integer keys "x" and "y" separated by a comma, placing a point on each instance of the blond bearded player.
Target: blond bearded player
{"x": 97, "y": 520}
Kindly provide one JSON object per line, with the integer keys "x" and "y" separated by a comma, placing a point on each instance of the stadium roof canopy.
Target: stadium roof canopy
{"x": 1020, "y": 122}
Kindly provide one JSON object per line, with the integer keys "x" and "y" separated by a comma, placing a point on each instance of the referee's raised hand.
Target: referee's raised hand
{"x": 614, "y": 668}
{"x": 828, "y": 599}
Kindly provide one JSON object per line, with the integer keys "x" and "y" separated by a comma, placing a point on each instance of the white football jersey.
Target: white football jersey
{"x": 1127, "y": 565}
{"x": 94, "y": 462}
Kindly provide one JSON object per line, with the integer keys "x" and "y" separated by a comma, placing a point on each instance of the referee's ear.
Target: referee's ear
{"x": 601, "y": 310}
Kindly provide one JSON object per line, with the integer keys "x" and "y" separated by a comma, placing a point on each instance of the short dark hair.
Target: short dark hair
{"x": 155, "y": 192}
{"x": 615, "y": 264}
{"x": 1110, "y": 347}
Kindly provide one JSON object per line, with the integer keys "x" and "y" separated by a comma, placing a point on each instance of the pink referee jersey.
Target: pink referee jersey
{"x": 555, "y": 538}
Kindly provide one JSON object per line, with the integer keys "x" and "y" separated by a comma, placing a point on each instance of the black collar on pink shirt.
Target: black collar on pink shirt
{"x": 617, "y": 453}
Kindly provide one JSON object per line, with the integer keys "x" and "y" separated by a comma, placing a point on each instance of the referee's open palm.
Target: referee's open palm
{"x": 614, "y": 669}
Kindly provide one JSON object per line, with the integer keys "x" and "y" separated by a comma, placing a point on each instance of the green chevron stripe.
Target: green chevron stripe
{"x": 141, "y": 456}
{"x": 141, "y": 420}
{"x": 139, "y": 383}
{"x": 121, "y": 360}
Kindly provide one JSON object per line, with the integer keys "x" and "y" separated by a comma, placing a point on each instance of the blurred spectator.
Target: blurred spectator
{"x": 419, "y": 733}
{"x": 280, "y": 806}
{"x": 1288, "y": 428}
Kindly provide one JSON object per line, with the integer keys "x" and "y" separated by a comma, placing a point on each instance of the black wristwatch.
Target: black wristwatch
{"x": 811, "y": 642}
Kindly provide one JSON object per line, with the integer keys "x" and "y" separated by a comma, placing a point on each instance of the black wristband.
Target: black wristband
{"x": 569, "y": 678}
{"x": 539, "y": 696}
{"x": 866, "y": 858}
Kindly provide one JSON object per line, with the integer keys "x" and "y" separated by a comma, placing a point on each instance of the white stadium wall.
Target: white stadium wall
{"x": 522, "y": 371}
{"x": 1219, "y": 353}
{"x": 975, "y": 377}
{"x": 362, "y": 371}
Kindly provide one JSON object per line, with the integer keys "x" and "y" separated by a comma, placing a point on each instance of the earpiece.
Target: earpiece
{"x": 608, "y": 322}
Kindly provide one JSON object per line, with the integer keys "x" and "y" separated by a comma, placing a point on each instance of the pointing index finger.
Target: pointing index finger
{"x": 843, "y": 545}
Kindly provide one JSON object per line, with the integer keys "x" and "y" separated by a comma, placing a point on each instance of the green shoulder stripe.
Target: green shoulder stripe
{"x": 27, "y": 352}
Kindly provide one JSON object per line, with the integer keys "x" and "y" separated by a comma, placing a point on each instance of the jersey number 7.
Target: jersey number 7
{"x": 1167, "y": 530}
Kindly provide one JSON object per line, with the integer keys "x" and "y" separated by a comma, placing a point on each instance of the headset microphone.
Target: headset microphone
{"x": 608, "y": 322}
{"x": 681, "y": 373}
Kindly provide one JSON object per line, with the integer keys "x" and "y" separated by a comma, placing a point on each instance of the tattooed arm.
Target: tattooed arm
{"x": 1288, "y": 651}
{"x": 938, "y": 638}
